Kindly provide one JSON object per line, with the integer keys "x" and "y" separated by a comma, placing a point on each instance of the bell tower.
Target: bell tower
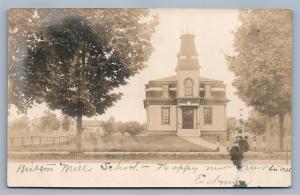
{"x": 187, "y": 69}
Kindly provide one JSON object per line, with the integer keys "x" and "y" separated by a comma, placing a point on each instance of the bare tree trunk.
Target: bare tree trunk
{"x": 78, "y": 132}
{"x": 281, "y": 130}
{"x": 268, "y": 134}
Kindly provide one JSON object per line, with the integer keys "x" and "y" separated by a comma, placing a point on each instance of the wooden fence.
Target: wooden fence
{"x": 256, "y": 143}
{"x": 40, "y": 140}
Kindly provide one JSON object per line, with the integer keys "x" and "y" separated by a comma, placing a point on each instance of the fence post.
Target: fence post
{"x": 264, "y": 143}
{"x": 31, "y": 140}
{"x": 227, "y": 142}
{"x": 218, "y": 143}
{"x": 254, "y": 143}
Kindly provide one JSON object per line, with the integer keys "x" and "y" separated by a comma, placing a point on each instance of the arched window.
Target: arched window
{"x": 188, "y": 87}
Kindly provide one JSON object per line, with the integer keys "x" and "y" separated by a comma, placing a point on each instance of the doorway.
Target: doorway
{"x": 187, "y": 118}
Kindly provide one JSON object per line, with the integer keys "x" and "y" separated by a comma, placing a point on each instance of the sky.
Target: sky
{"x": 214, "y": 38}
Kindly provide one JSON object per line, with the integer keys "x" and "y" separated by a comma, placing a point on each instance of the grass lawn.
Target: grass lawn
{"x": 213, "y": 139}
{"x": 150, "y": 143}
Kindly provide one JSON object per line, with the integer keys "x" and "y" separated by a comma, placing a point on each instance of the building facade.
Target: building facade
{"x": 186, "y": 104}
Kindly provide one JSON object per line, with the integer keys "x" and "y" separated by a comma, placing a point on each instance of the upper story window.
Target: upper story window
{"x": 188, "y": 87}
{"x": 207, "y": 91}
{"x": 202, "y": 91}
{"x": 218, "y": 95}
{"x": 207, "y": 116}
{"x": 165, "y": 91}
{"x": 165, "y": 115}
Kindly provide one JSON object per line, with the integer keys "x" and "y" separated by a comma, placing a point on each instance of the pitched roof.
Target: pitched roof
{"x": 173, "y": 79}
{"x": 168, "y": 79}
{"x": 203, "y": 79}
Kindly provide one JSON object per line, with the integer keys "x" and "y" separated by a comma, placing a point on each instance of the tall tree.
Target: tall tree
{"x": 75, "y": 62}
{"x": 262, "y": 63}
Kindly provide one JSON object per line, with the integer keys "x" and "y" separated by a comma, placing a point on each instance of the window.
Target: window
{"x": 207, "y": 91}
{"x": 165, "y": 115}
{"x": 202, "y": 91}
{"x": 188, "y": 87}
{"x": 207, "y": 116}
{"x": 218, "y": 95}
{"x": 165, "y": 91}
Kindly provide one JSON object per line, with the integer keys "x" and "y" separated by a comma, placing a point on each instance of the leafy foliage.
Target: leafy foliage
{"x": 109, "y": 126}
{"x": 133, "y": 128}
{"x": 75, "y": 64}
{"x": 19, "y": 125}
{"x": 49, "y": 122}
{"x": 74, "y": 59}
{"x": 256, "y": 123}
{"x": 232, "y": 123}
{"x": 262, "y": 64}
{"x": 66, "y": 123}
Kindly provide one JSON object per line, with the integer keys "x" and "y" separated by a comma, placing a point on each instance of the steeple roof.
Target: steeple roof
{"x": 187, "y": 47}
{"x": 187, "y": 58}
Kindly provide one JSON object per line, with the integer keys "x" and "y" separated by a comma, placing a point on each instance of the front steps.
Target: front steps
{"x": 189, "y": 132}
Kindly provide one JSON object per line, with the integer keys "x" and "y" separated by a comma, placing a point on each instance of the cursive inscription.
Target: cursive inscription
{"x": 31, "y": 168}
{"x": 67, "y": 168}
{"x": 218, "y": 180}
{"x": 196, "y": 174}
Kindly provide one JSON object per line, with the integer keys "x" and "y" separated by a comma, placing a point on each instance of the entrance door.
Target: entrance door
{"x": 187, "y": 118}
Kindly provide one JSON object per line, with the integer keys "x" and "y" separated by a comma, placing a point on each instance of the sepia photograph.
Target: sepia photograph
{"x": 106, "y": 97}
